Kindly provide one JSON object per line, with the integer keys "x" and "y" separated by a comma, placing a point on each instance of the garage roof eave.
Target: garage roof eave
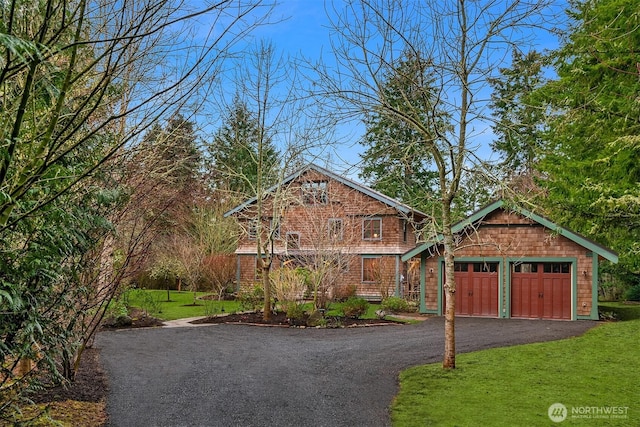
{"x": 583, "y": 241}
{"x": 418, "y": 250}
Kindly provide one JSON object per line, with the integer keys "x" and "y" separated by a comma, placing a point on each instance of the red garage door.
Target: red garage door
{"x": 476, "y": 289}
{"x": 541, "y": 290}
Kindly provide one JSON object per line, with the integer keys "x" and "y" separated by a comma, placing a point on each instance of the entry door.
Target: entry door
{"x": 541, "y": 290}
{"x": 476, "y": 289}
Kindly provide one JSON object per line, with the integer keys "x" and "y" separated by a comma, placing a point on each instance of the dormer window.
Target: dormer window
{"x": 315, "y": 193}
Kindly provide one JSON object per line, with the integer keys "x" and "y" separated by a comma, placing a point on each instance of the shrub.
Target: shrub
{"x": 633, "y": 293}
{"x": 149, "y": 302}
{"x": 396, "y": 305}
{"x": 218, "y": 271}
{"x": 343, "y": 293}
{"x": 288, "y": 284}
{"x": 251, "y": 298}
{"x": 316, "y": 318}
{"x": 355, "y": 307}
{"x": 296, "y": 314}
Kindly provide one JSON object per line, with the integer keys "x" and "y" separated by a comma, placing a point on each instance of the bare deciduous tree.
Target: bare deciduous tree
{"x": 461, "y": 43}
{"x": 268, "y": 85}
{"x": 80, "y": 80}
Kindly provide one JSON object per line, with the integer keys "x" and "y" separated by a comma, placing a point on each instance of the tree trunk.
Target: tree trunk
{"x": 449, "y": 360}
{"x": 266, "y": 284}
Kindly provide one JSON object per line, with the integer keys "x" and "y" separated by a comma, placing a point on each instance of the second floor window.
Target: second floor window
{"x": 372, "y": 229}
{"x": 334, "y": 229}
{"x": 315, "y": 193}
{"x": 293, "y": 241}
{"x": 252, "y": 229}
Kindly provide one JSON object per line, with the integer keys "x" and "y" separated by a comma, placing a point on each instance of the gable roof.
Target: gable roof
{"x": 391, "y": 202}
{"x": 480, "y": 214}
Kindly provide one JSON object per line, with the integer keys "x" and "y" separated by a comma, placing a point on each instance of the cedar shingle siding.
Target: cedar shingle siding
{"x": 326, "y": 213}
{"x": 316, "y": 201}
{"x": 516, "y": 237}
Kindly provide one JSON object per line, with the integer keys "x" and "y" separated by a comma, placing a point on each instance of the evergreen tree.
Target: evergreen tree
{"x": 238, "y": 147}
{"x": 396, "y": 160}
{"x": 592, "y": 167}
{"x": 519, "y": 120}
{"x": 174, "y": 152}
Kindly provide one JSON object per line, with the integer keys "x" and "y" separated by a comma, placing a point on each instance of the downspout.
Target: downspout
{"x": 398, "y": 277}
{"x": 423, "y": 281}
{"x": 238, "y": 272}
{"x": 594, "y": 286}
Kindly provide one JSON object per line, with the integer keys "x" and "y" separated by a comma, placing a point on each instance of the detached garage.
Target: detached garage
{"x": 513, "y": 263}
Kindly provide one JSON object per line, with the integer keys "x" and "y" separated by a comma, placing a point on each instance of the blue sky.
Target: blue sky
{"x": 302, "y": 28}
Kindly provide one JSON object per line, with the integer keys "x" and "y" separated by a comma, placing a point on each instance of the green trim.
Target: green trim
{"x": 575, "y": 237}
{"x": 423, "y": 281}
{"x": 477, "y": 216}
{"x": 415, "y": 251}
{"x": 594, "y": 288}
{"x": 574, "y": 292}
{"x": 398, "y": 273}
{"x": 507, "y": 287}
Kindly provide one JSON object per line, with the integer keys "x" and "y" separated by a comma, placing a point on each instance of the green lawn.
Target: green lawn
{"x": 515, "y": 386}
{"x": 181, "y": 305}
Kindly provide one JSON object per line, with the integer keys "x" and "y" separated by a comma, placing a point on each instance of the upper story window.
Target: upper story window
{"x": 372, "y": 229}
{"x": 252, "y": 229}
{"x": 293, "y": 241}
{"x": 405, "y": 227}
{"x": 315, "y": 193}
{"x": 334, "y": 229}
{"x": 275, "y": 228}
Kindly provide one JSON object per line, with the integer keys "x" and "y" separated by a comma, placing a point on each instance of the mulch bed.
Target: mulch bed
{"x": 89, "y": 385}
{"x": 280, "y": 319}
{"x": 138, "y": 318}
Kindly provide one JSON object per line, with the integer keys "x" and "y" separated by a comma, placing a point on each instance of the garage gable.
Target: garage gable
{"x": 531, "y": 266}
{"x": 476, "y": 217}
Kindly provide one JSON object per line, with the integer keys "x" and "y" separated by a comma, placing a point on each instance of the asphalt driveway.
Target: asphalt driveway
{"x": 238, "y": 375}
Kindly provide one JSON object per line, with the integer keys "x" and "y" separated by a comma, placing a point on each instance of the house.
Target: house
{"x": 513, "y": 263}
{"x": 324, "y": 221}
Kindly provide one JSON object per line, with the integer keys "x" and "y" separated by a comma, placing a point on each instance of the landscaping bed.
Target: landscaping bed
{"x": 280, "y": 319}
{"x": 81, "y": 403}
